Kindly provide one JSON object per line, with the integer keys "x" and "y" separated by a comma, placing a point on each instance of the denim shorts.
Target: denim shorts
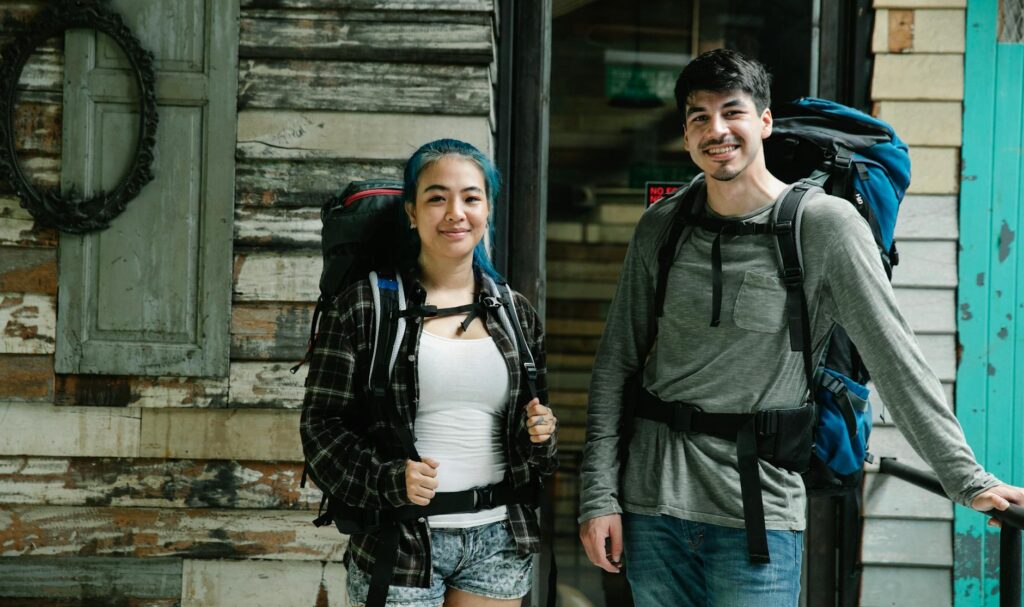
{"x": 479, "y": 560}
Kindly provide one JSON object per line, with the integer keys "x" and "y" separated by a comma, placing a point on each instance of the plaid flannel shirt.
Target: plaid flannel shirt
{"x": 357, "y": 456}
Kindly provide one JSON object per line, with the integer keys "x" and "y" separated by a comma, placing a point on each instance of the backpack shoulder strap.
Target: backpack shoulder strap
{"x": 510, "y": 320}
{"x": 786, "y": 227}
{"x": 389, "y": 329}
{"x": 681, "y": 221}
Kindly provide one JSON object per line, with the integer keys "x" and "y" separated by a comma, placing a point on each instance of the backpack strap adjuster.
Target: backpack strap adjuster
{"x": 784, "y": 227}
{"x": 792, "y": 277}
{"x": 682, "y": 417}
{"x": 766, "y": 423}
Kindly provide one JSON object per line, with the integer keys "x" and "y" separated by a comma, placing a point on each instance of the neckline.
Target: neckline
{"x": 456, "y": 339}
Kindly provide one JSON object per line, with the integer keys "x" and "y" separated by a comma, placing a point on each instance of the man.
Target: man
{"x": 722, "y": 345}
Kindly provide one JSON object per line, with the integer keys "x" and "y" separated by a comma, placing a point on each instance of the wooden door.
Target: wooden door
{"x": 151, "y": 295}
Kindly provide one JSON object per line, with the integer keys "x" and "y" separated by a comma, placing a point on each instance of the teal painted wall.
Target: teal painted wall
{"x": 990, "y": 378}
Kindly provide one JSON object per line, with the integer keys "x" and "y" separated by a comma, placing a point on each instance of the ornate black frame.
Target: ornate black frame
{"x": 66, "y": 212}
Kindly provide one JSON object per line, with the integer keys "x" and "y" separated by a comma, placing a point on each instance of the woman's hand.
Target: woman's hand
{"x": 540, "y": 422}
{"x": 421, "y": 480}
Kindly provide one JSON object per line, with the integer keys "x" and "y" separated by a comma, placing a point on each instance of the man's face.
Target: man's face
{"x": 724, "y": 132}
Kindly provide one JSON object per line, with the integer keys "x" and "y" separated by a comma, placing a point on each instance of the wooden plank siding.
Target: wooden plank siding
{"x": 160, "y": 490}
{"x": 918, "y": 86}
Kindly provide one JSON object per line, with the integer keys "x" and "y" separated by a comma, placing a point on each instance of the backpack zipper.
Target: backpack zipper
{"x": 374, "y": 192}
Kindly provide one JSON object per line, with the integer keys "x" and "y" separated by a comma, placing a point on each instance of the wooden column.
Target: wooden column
{"x": 526, "y": 128}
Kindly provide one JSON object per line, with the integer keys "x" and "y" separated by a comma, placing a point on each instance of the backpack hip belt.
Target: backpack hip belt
{"x": 781, "y": 437}
{"x": 471, "y": 500}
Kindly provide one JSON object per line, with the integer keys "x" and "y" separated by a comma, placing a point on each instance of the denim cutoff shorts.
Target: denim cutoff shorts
{"x": 479, "y": 560}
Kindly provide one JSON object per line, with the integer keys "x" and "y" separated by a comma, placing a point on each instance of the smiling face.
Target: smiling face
{"x": 724, "y": 132}
{"x": 451, "y": 208}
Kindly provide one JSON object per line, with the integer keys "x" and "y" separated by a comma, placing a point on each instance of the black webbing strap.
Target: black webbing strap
{"x": 841, "y": 172}
{"x": 384, "y": 559}
{"x": 751, "y": 494}
{"x": 313, "y": 328}
{"x": 786, "y": 233}
{"x": 716, "y": 280}
{"x": 470, "y": 500}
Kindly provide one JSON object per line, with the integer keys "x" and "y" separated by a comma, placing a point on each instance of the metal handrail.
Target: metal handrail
{"x": 1011, "y": 519}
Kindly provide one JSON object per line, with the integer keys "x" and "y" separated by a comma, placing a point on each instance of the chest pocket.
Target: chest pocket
{"x": 760, "y": 303}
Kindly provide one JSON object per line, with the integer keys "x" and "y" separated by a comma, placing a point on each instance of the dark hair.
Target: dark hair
{"x": 430, "y": 153}
{"x": 723, "y": 70}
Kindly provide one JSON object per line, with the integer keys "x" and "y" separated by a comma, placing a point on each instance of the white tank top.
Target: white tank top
{"x": 460, "y": 419}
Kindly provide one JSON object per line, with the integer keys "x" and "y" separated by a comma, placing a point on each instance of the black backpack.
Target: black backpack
{"x": 357, "y": 241}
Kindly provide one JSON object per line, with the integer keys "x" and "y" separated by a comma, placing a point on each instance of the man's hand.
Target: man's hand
{"x": 999, "y": 498}
{"x": 421, "y": 480}
{"x": 593, "y": 534}
{"x": 540, "y": 421}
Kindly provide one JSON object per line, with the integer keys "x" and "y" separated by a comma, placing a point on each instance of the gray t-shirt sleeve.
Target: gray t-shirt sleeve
{"x": 863, "y": 303}
{"x": 625, "y": 343}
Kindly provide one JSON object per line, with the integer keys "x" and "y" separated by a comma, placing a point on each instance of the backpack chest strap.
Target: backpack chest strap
{"x": 477, "y": 309}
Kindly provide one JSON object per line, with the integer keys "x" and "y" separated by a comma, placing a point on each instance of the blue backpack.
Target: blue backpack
{"x": 861, "y": 159}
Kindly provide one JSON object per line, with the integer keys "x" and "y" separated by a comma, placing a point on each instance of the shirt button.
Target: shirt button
{"x": 412, "y": 357}
{"x": 421, "y": 520}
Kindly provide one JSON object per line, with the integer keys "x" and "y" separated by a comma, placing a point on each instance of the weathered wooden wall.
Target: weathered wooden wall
{"x": 918, "y": 88}
{"x": 129, "y": 490}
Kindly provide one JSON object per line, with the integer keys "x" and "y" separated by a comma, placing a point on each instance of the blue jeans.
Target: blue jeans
{"x": 671, "y": 561}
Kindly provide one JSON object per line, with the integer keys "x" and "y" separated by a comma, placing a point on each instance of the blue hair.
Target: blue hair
{"x": 428, "y": 154}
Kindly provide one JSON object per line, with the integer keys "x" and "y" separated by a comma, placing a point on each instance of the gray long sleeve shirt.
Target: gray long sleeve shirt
{"x": 746, "y": 365}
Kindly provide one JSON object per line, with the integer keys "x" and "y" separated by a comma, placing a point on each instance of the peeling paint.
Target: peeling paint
{"x": 991, "y": 370}
{"x": 999, "y": 293}
{"x": 1006, "y": 236}
{"x": 965, "y": 311}
{"x": 1002, "y": 333}
{"x": 980, "y": 279}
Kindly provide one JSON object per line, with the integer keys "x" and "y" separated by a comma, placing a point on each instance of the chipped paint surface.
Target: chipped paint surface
{"x": 1006, "y": 238}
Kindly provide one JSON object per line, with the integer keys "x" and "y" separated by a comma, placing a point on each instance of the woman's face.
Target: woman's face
{"x": 451, "y": 208}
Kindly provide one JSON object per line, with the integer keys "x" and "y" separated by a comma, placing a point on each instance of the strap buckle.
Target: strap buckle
{"x": 491, "y": 302}
{"x": 682, "y": 417}
{"x": 784, "y": 227}
{"x": 483, "y": 499}
{"x": 766, "y": 422}
{"x": 792, "y": 277}
{"x": 531, "y": 370}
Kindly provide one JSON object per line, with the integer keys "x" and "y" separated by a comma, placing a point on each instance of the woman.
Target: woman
{"x": 459, "y": 384}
